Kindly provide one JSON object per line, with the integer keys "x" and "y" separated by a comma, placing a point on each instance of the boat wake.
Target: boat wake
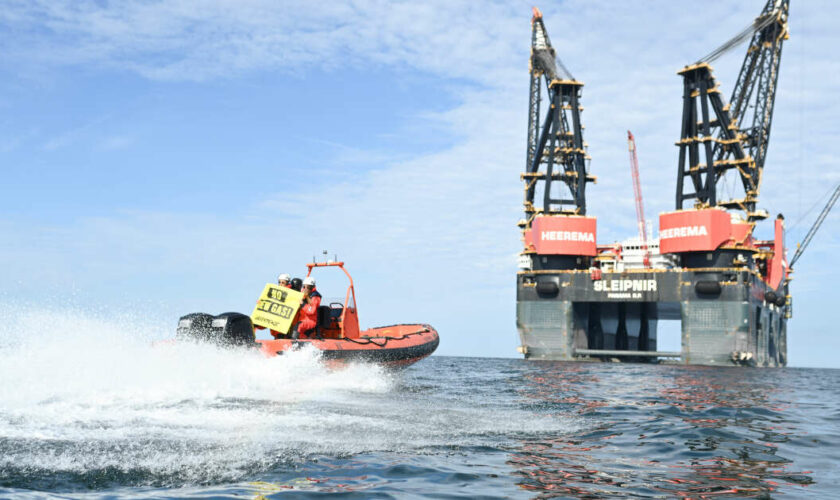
{"x": 96, "y": 403}
{"x": 96, "y": 394}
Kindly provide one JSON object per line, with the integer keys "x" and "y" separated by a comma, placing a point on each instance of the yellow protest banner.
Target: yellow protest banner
{"x": 276, "y": 308}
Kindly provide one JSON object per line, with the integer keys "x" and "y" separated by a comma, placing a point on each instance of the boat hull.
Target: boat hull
{"x": 396, "y": 345}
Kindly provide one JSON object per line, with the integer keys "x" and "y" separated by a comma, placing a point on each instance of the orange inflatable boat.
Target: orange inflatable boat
{"x": 333, "y": 328}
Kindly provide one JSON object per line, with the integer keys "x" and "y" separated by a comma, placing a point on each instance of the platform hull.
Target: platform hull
{"x": 568, "y": 315}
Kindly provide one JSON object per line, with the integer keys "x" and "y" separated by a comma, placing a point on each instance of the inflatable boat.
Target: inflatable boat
{"x": 336, "y": 330}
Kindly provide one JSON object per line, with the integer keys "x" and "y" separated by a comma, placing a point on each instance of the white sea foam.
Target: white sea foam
{"x": 93, "y": 392}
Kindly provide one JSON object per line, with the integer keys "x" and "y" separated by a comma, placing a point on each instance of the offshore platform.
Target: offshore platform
{"x": 577, "y": 300}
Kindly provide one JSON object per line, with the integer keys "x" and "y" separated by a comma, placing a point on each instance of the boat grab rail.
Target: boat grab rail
{"x": 370, "y": 340}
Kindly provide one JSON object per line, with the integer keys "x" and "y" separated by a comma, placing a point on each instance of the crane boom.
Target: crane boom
{"x": 637, "y": 187}
{"x": 811, "y": 232}
{"x": 555, "y": 142}
{"x": 714, "y": 139}
{"x": 754, "y": 93}
{"x": 637, "y": 194}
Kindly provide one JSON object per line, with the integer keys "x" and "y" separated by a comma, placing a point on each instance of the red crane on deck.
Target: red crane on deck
{"x": 637, "y": 192}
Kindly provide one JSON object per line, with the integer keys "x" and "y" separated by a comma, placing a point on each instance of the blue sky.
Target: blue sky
{"x": 167, "y": 157}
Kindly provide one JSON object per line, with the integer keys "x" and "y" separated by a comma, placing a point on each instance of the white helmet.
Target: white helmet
{"x": 309, "y": 280}
{"x": 284, "y": 277}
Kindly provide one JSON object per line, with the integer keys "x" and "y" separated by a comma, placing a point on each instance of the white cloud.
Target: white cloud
{"x": 115, "y": 142}
{"x": 76, "y": 133}
{"x": 181, "y": 40}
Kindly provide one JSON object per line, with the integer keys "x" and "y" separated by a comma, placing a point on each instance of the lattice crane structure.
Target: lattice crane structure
{"x": 637, "y": 195}
{"x": 718, "y": 137}
{"x": 800, "y": 248}
{"x": 557, "y": 154}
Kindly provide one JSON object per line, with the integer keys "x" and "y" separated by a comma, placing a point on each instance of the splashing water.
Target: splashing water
{"x": 93, "y": 394}
{"x": 94, "y": 397}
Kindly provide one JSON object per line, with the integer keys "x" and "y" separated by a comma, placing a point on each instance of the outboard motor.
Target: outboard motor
{"x": 228, "y": 329}
{"x": 196, "y": 327}
{"x": 233, "y": 329}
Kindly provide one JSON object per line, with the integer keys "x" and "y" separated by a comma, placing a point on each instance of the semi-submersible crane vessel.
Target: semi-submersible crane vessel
{"x": 577, "y": 300}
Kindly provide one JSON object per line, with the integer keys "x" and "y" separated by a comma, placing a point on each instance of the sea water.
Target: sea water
{"x": 94, "y": 409}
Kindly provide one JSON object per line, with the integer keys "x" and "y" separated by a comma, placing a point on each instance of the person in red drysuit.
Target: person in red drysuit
{"x": 309, "y": 308}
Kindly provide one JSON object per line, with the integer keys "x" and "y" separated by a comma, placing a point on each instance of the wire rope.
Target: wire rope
{"x": 757, "y": 25}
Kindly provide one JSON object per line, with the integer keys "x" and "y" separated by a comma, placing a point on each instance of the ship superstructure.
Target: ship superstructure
{"x": 580, "y": 300}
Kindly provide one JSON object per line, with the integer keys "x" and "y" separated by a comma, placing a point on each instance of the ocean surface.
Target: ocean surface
{"x": 99, "y": 412}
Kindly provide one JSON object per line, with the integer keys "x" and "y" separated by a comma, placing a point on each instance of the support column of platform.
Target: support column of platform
{"x": 555, "y": 329}
{"x": 622, "y": 326}
{"x": 771, "y": 331}
{"x": 712, "y": 330}
{"x": 547, "y": 328}
{"x": 648, "y": 337}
